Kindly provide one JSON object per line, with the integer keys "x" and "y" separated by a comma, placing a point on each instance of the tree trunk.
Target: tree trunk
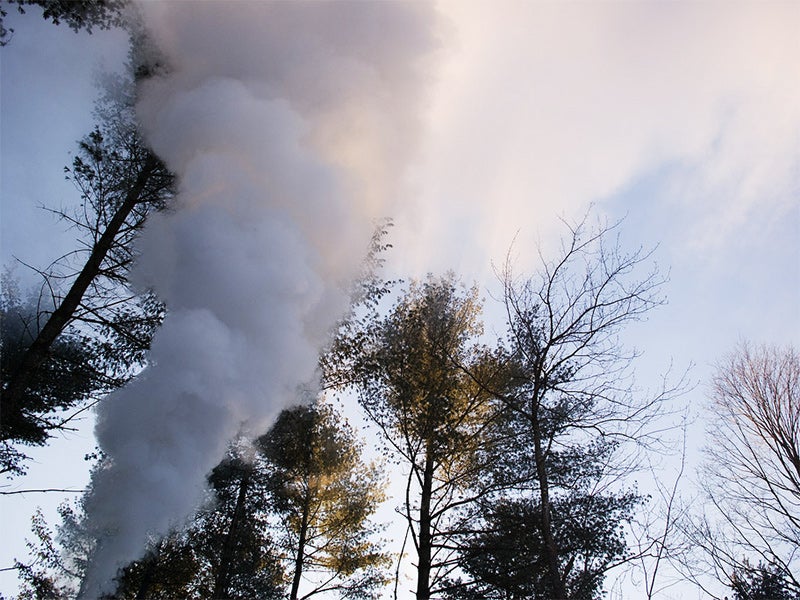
{"x": 37, "y": 352}
{"x": 301, "y": 548}
{"x": 425, "y": 542}
{"x": 551, "y": 549}
{"x": 222, "y": 580}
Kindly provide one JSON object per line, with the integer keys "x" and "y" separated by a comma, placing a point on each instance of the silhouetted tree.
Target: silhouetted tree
{"x": 762, "y": 583}
{"x": 85, "y": 301}
{"x": 77, "y": 14}
{"x": 571, "y": 374}
{"x": 231, "y": 535}
{"x": 46, "y": 575}
{"x": 752, "y": 478}
{"x": 63, "y": 379}
{"x": 170, "y": 569}
{"x": 322, "y": 495}
{"x": 507, "y": 556}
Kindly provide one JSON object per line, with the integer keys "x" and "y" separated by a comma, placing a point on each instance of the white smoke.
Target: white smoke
{"x": 288, "y": 125}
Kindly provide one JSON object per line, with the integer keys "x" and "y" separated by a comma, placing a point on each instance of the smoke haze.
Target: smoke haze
{"x": 289, "y": 126}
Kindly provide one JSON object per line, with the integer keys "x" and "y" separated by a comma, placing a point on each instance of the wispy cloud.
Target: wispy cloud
{"x": 544, "y": 107}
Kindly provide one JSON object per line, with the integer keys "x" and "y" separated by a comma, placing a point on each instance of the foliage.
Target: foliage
{"x": 67, "y": 375}
{"x": 232, "y": 534}
{"x": 421, "y": 378}
{"x": 42, "y": 578}
{"x": 507, "y": 556}
{"x": 59, "y": 560}
{"x": 322, "y": 494}
{"x": 86, "y": 326}
{"x": 764, "y": 582}
{"x": 224, "y": 552}
{"x": 167, "y": 571}
{"x": 77, "y": 14}
{"x": 295, "y": 506}
{"x": 338, "y": 363}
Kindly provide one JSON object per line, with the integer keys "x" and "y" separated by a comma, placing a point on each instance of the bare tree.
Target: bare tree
{"x": 574, "y": 376}
{"x": 655, "y": 530}
{"x": 752, "y": 476}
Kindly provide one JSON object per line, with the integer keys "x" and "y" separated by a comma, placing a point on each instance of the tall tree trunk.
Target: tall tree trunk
{"x": 301, "y": 549}
{"x": 425, "y": 542}
{"x": 36, "y": 353}
{"x": 222, "y": 580}
{"x": 551, "y": 549}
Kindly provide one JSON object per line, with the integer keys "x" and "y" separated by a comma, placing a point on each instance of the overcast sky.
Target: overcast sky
{"x": 684, "y": 118}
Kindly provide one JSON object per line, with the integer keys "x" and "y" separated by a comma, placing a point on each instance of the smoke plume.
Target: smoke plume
{"x": 288, "y": 125}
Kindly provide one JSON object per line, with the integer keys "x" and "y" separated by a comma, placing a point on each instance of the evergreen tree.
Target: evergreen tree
{"x": 422, "y": 378}
{"x": 63, "y": 379}
{"x": 322, "y": 495}
{"x": 764, "y": 582}
{"x": 86, "y": 325}
{"x": 225, "y": 552}
{"x": 507, "y": 556}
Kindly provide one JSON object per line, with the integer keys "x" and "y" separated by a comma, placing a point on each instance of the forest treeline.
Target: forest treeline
{"x": 518, "y": 455}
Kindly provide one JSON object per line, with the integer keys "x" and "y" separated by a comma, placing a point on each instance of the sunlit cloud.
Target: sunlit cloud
{"x": 543, "y": 108}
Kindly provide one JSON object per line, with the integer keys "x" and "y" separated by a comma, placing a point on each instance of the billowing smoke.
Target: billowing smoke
{"x": 288, "y": 125}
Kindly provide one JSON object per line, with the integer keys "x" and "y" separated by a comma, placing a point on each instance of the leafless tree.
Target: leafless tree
{"x": 751, "y": 479}
{"x": 575, "y": 376}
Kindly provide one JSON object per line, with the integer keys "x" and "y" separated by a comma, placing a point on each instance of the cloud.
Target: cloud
{"x": 544, "y": 107}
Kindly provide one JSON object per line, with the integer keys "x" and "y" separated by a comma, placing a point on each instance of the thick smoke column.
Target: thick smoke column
{"x": 288, "y": 125}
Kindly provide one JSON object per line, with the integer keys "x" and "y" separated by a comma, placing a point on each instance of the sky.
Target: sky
{"x": 682, "y": 118}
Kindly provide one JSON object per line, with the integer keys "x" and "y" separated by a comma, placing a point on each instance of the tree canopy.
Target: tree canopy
{"x": 85, "y": 326}
{"x": 322, "y": 495}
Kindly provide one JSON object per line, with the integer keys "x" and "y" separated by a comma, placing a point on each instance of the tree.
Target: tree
{"x": 66, "y": 376}
{"x": 762, "y": 583}
{"x": 85, "y": 300}
{"x": 423, "y": 380}
{"x": 291, "y": 507}
{"x": 752, "y": 478}
{"x": 46, "y": 577}
{"x": 507, "y": 556}
{"x": 323, "y": 495}
{"x": 224, "y": 552}
{"x": 77, "y": 14}
{"x": 170, "y": 569}
{"x": 60, "y": 559}
{"x": 572, "y": 375}
{"x": 230, "y": 536}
